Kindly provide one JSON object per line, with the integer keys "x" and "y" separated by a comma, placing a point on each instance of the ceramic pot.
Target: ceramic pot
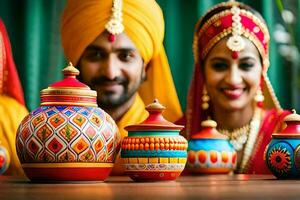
{"x": 154, "y": 150}
{"x": 68, "y": 138}
{"x": 4, "y": 159}
{"x": 282, "y": 155}
{"x": 210, "y": 152}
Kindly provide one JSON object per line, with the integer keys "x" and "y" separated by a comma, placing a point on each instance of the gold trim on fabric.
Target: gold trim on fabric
{"x": 245, "y": 32}
{"x": 271, "y": 91}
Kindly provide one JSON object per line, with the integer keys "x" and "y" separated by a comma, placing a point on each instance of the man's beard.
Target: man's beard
{"x": 108, "y": 99}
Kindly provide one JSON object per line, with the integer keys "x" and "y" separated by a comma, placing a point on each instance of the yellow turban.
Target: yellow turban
{"x": 84, "y": 20}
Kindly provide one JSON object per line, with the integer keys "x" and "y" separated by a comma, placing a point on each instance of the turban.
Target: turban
{"x": 84, "y": 20}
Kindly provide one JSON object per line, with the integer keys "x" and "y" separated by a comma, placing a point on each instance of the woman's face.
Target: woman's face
{"x": 232, "y": 83}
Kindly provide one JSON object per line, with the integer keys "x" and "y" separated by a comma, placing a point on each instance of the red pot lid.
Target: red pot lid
{"x": 292, "y": 128}
{"x": 209, "y": 131}
{"x": 69, "y": 91}
{"x": 155, "y": 120}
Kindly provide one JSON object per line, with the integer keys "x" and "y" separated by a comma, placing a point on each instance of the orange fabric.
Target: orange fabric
{"x": 84, "y": 20}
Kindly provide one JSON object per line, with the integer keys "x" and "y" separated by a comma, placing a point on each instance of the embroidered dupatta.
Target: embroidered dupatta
{"x": 271, "y": 123}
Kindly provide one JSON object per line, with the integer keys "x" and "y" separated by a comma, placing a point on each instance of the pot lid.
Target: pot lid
{"x": 294, "y": 117}
{"x": 155, "y": 120}
{"x": 69, "y": 91}
{"x": 209, "y": 131}
{"x": 292, "y": 128}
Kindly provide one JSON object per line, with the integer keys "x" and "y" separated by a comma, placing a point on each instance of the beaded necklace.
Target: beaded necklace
{"x": 246, "y": 134}
{"x": 237, "y": 137}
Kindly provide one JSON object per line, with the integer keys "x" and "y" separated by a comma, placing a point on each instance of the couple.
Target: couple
{"x": 118, "y": 48}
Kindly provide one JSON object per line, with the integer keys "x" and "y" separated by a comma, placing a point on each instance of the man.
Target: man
{"x": 118, "y": 47}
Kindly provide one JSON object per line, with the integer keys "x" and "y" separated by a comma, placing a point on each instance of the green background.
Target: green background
{"x": 33, "y": 27}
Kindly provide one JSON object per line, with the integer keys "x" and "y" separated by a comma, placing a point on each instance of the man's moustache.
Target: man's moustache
{"x": 103, "y": 80}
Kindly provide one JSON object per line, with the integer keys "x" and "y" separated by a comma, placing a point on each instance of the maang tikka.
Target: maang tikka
{"x": 235, "y": 42}
{"x": 114, "y": 26}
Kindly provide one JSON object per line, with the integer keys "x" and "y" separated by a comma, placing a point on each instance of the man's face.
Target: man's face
{"x": 114, "y": 69}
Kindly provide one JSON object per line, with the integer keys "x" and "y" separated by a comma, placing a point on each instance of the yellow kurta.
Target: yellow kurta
{"x": 12, "y": 113}
{"x": 135, "y": 115}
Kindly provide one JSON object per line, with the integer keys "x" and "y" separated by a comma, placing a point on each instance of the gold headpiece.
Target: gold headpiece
{"x": 236, "y": 42}
{"x": 114, "y": 26}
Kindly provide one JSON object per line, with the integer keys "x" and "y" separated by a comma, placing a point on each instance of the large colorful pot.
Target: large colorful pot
{"x": 68, "y": 138}
{"x": 210, "y": 152}
{"x": 4, "y": 159}
{"x": 282, "y": 155}
{"x": 154, "y": 150}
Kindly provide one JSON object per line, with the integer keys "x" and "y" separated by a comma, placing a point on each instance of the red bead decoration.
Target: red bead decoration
{"x": 111, "y": 37}
{"x": 235, "y": 54}
{"x": 260, "y": 104}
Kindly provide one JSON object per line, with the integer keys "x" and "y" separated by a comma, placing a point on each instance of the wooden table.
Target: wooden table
{"x": 186, "y": 187}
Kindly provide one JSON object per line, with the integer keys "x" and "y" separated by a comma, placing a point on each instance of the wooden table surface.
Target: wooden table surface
{"x": 186, "y": 187}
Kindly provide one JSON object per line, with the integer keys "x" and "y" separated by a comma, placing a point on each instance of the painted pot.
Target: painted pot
{"x": 154, "y": 150}
{"x": 282, "y": 155}
{"x": 4, "y": 159}
{"x": 68, "y": 138}
{"x": 210, "y": 152}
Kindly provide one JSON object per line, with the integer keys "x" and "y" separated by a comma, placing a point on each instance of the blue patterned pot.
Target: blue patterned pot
{"x": 154, "y": 150}
{"x": 210, "y": 152}
{"x": 282, "y": 155}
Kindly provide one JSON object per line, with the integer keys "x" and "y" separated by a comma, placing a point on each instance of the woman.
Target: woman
{"x": 12, "y": 107}
{"x": 230, "y": 83}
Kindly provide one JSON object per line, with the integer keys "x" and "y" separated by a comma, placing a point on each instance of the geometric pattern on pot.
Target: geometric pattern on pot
{"x": 67, "y": 134}
{"x": 154, "y": 167}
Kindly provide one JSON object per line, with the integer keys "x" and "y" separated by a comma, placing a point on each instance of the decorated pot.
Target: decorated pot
{"x": 68, "y": 138}
{"x": 4, "y": 159}
{"x": 154, "y": 150}
{"x": 282, "y": 155}
{"x": 210, "y": 152}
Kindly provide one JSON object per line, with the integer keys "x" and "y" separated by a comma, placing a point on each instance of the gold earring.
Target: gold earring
{"x": 205, "y": 99}
{"x": 259, "y": 97}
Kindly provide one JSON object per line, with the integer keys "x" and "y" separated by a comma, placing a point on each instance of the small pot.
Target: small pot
{"x": 154, "y": 150}
{"x": 282, "y": 155}
{"x": 210, "y": 152}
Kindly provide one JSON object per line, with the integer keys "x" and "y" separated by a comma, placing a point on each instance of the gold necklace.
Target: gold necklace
{"x": 238, "y": 136}
{"x": 246, "y": 134}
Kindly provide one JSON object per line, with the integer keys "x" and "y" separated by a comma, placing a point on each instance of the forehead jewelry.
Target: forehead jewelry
{"x": 114, "y": 26}
{"x": 236, "y": 43}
